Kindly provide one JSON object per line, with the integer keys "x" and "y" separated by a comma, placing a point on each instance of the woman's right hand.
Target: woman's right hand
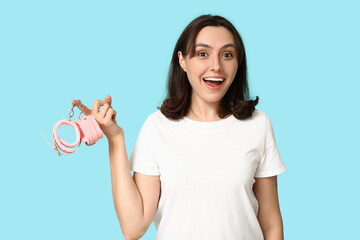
{"x": 105, "y": 117}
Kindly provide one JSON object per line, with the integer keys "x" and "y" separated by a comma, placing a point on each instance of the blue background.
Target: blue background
{"x": 303, "y": 63}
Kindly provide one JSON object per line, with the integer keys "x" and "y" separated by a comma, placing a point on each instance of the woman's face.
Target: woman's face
{"x": 213, "y": 67}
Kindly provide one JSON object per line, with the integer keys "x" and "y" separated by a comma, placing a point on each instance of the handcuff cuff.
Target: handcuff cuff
{"x": 86, "y": 128}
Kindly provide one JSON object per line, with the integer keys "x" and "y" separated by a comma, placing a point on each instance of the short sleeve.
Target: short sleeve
{"x": 143, "y": 157}
{"x": 271, "y": 163}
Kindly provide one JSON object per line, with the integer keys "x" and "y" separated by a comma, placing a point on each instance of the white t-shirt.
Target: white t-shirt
{"x": 207, "y": 172}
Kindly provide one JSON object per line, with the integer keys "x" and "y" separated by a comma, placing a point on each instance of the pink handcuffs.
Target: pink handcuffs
{"x": 86, "y": 128}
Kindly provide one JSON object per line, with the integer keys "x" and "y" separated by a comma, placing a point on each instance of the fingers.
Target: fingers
{"x": 108, "y": 99}
{"x": 86, "y": 110}
{"x": 110, "y": 115}
{"x": 104, "y": 109}
{"x": 96, "y": 106}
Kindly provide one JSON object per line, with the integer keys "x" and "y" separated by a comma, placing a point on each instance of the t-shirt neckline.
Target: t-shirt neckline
{"x": 209, "y": 124}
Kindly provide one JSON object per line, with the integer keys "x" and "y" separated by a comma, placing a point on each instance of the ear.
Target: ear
{"x": 182, "y": 61}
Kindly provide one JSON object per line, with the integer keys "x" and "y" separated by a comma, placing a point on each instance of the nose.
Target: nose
{"x": 216, "y": 64}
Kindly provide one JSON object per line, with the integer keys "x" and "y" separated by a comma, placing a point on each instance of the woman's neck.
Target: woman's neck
{"x": 204, "y": 111}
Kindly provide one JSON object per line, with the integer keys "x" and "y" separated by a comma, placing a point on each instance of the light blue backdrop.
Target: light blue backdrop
{"x": 303, "y": 63}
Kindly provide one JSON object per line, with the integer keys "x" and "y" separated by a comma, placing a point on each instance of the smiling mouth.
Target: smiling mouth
{"x": 213, "y": 82}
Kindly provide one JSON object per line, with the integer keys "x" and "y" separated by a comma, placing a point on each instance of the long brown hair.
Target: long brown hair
{"x": 178, "y": 99}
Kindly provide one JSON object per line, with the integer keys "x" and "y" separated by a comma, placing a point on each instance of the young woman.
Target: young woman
{"x": 205, "y": 164}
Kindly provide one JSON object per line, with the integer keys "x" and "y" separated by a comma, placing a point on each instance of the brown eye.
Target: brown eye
{"x": 202, "y": 54}
{"x": 228, "y": 55}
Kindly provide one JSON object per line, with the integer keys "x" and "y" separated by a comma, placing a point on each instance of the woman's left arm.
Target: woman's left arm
{"x": 269, "y": 216}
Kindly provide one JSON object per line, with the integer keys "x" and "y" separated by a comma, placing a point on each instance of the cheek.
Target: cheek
{"x": 234, "y": 65}
{"x": 195, "y": 72}
{"x": 232, "y": 69}
{"x": 196, "y": 67}
{"x": 193, "y": 80}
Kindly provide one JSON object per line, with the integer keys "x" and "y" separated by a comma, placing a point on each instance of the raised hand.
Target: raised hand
{"x": 106, "y": 117}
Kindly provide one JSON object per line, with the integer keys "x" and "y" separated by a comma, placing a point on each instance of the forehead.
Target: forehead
{"x": 215, "y": 36}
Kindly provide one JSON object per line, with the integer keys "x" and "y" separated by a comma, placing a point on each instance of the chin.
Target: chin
{"x": 212, "y": 99}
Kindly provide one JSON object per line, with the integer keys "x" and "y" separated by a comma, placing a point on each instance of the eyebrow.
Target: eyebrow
{"x": 208, "y": 46}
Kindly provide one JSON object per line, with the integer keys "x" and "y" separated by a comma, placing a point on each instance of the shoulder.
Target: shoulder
{"x": 261, "y": 115}
{"x": 156, "y": 122}
{"x": 254, "y": 125}
{"x": 264, "y": 123}
{"x": 258, "y": 114}
{"x": 158, "y": 126}
{"x": 158, "y": 118}
{"x": 258, "y": 118}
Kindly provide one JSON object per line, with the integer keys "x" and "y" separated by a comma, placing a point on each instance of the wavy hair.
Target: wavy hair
{"x": 236, "y": 100}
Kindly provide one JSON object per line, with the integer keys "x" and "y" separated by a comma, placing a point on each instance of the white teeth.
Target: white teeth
{"x": 214, "y": 79}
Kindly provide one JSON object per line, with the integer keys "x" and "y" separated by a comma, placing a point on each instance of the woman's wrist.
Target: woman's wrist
{"x": 116, "y": 138}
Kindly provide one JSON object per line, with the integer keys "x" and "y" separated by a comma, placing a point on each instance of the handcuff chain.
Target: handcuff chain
{"x": 81, "y": 109}
{"x": 71, "y": 113}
